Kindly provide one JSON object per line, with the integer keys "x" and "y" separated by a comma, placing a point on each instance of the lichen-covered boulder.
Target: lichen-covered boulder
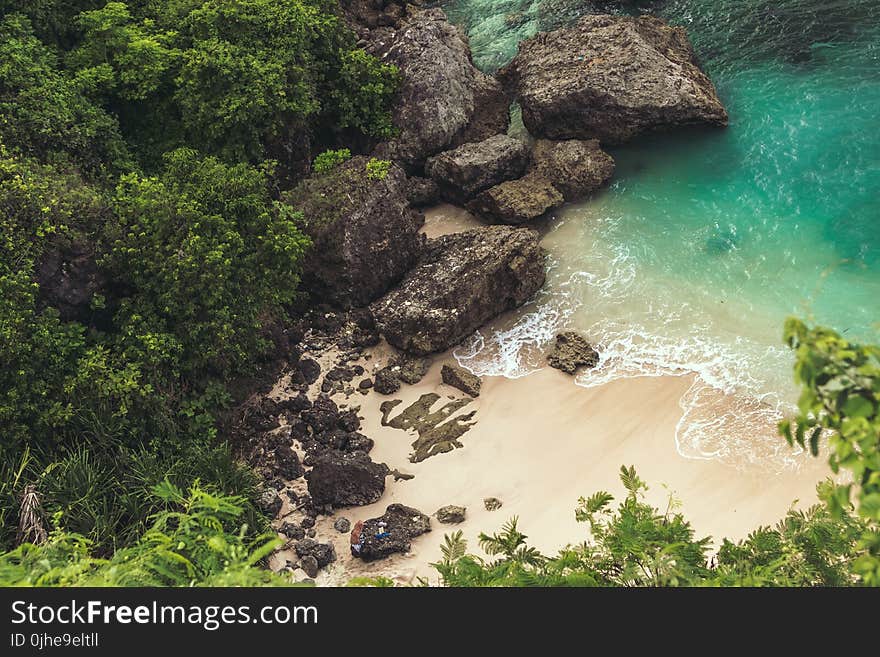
{"x": 575, "y": 167}
{"x": 462, "y": 281}
{"x": 465, "y": 171}
{"x": 364, "y": 233}
{"x": 611, "y": 78}
{"x": 517, "y": 201}
{"x": 444, "y": 100}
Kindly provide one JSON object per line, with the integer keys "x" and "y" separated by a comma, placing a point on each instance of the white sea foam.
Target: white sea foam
{"x": 731, "y": 411}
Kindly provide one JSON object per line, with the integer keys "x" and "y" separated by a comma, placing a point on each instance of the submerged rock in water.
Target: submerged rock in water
{"x": 611, "y": 78}
{"x": 517, "y": 201}
{"x": 390, "y": 533}
{"x": 458, "y": 377}
{"x": 464, "y": 280}
{"x": 469, "y": 169}
{"x": 574, "y": 167}
{"x": 364, "y": 233}
{"x": 443, "y": 100}
{"x": 571, "y": 352}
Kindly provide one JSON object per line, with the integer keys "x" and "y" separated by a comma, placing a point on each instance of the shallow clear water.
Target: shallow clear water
{"x": 707, "y": 240}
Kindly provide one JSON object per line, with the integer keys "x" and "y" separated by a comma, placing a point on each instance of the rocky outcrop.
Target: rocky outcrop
{"x": 450, "y": 514}
{"x": 69, "y": 278}
{"x": 575, "y": 167}
{"x": 462, "y": 281}
{"x": 422, "y": 192}
{"x": 517, "y": 201}
{"x": 364, "y": 234}
{"x": 323, "y": 553}
{"x": 463, "y": 172}
{"x": 391, "y": 533}
{"x": 459, "y": 378}
{"x": 346, "y": 479}
{"x": 572, "y": 352}
{"x": 611, "y": 78}
{"x": 443, "y": 99}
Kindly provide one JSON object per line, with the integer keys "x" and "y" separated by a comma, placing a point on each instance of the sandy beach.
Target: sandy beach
{"x": 539, "y": 443}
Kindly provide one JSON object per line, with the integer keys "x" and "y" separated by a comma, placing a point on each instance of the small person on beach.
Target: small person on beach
{"x": 357, "y": 541}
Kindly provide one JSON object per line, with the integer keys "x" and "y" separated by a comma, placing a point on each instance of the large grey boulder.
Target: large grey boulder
{"x": 517, "y": 201}
{"x": 574, "y": 167}
{"x": 391, "y": 532}
{"x": 444, "y": 100}
{"x": 462, "y": 281}
{"x": 364, "y": 233}
{"x": 346, "y": 479}
{"x": 611, "y": 78}
{"x": 465, "y": 171}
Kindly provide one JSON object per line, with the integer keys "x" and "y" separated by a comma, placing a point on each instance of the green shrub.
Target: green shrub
{"x": 377, "y": 169}
{"x": 198, "y": 541}
{"x": 330, "y": 160}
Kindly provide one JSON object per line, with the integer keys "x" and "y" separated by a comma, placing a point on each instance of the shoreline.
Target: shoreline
{"x": 571, "y": 443}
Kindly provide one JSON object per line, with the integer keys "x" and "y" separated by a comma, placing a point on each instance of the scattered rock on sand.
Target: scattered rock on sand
{"x": 411, "y": 370}
{"x": 469, "y": 169}
{"x": 571, "y": 352}
{"x": 610, "y": 78}
{"x": 392, "y": 532}
{"x": 574, "y": 167}
{"x": 463, "y": 280}
{"x": 450, "y": 514}
{"x": 364, "y": 233}
{"x": 458, "y": 377}
{"x": 517, "y": 201}
{"x": 310, "y": 566}
{"x": 386, "y": 381}
{"x": 342, "y": 525}
{"x": 492, "y": 503}
{"x": 309, "y": 369}
{"x": 346, "y": 479}
{"x": 323, "y": 553}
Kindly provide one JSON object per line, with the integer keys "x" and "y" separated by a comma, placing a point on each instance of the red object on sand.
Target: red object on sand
{"x": 356, "y": 532}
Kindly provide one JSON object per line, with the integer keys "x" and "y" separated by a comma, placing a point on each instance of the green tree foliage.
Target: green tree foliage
{"x": 47, "y": 113}
{"x": 638, "y": 545}
{"x": 208, "y": 257}
{"x": 233, "y": 77}
{"x": 840, "y": 399}
{"x": 199, "y": 539}
{"x": 330, "y": 159}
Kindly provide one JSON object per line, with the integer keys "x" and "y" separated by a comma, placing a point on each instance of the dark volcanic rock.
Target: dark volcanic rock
{"x": 492, "y": 503}
{"x": 346, "y": 479}
{"x": 571, "y": 352}
{"x": 411, "y": 370}
{"x": 342, "y": 525}
{"x": 310, "y": 566}
{"x": 422, "y": 192}
{"x": 270, "y": 502}
{"x": 393, "y": 532}
{"x": 610, "y": 78}
{"x": 309, "y": 369}
{"x": 443, "y": 100}
{"x": 386, "y": 381}
{"x": 293, "y": 531}
{"x": 450, "y": 514}
{"x": 458, "y": 377}
{"x": 574, "y": 167}
{"x": 464, "y": 280}
{"x": 69, "y": 278}
{"x": 322, "y": 416}
{"x": 517, "y": 201}
{"x": 364, "y": 233}
{"x": 323, "y": 553}
{"x": 469, "y": 169}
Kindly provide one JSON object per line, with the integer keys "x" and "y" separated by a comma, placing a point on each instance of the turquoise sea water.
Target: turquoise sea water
{"x": 707, "y": 240}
